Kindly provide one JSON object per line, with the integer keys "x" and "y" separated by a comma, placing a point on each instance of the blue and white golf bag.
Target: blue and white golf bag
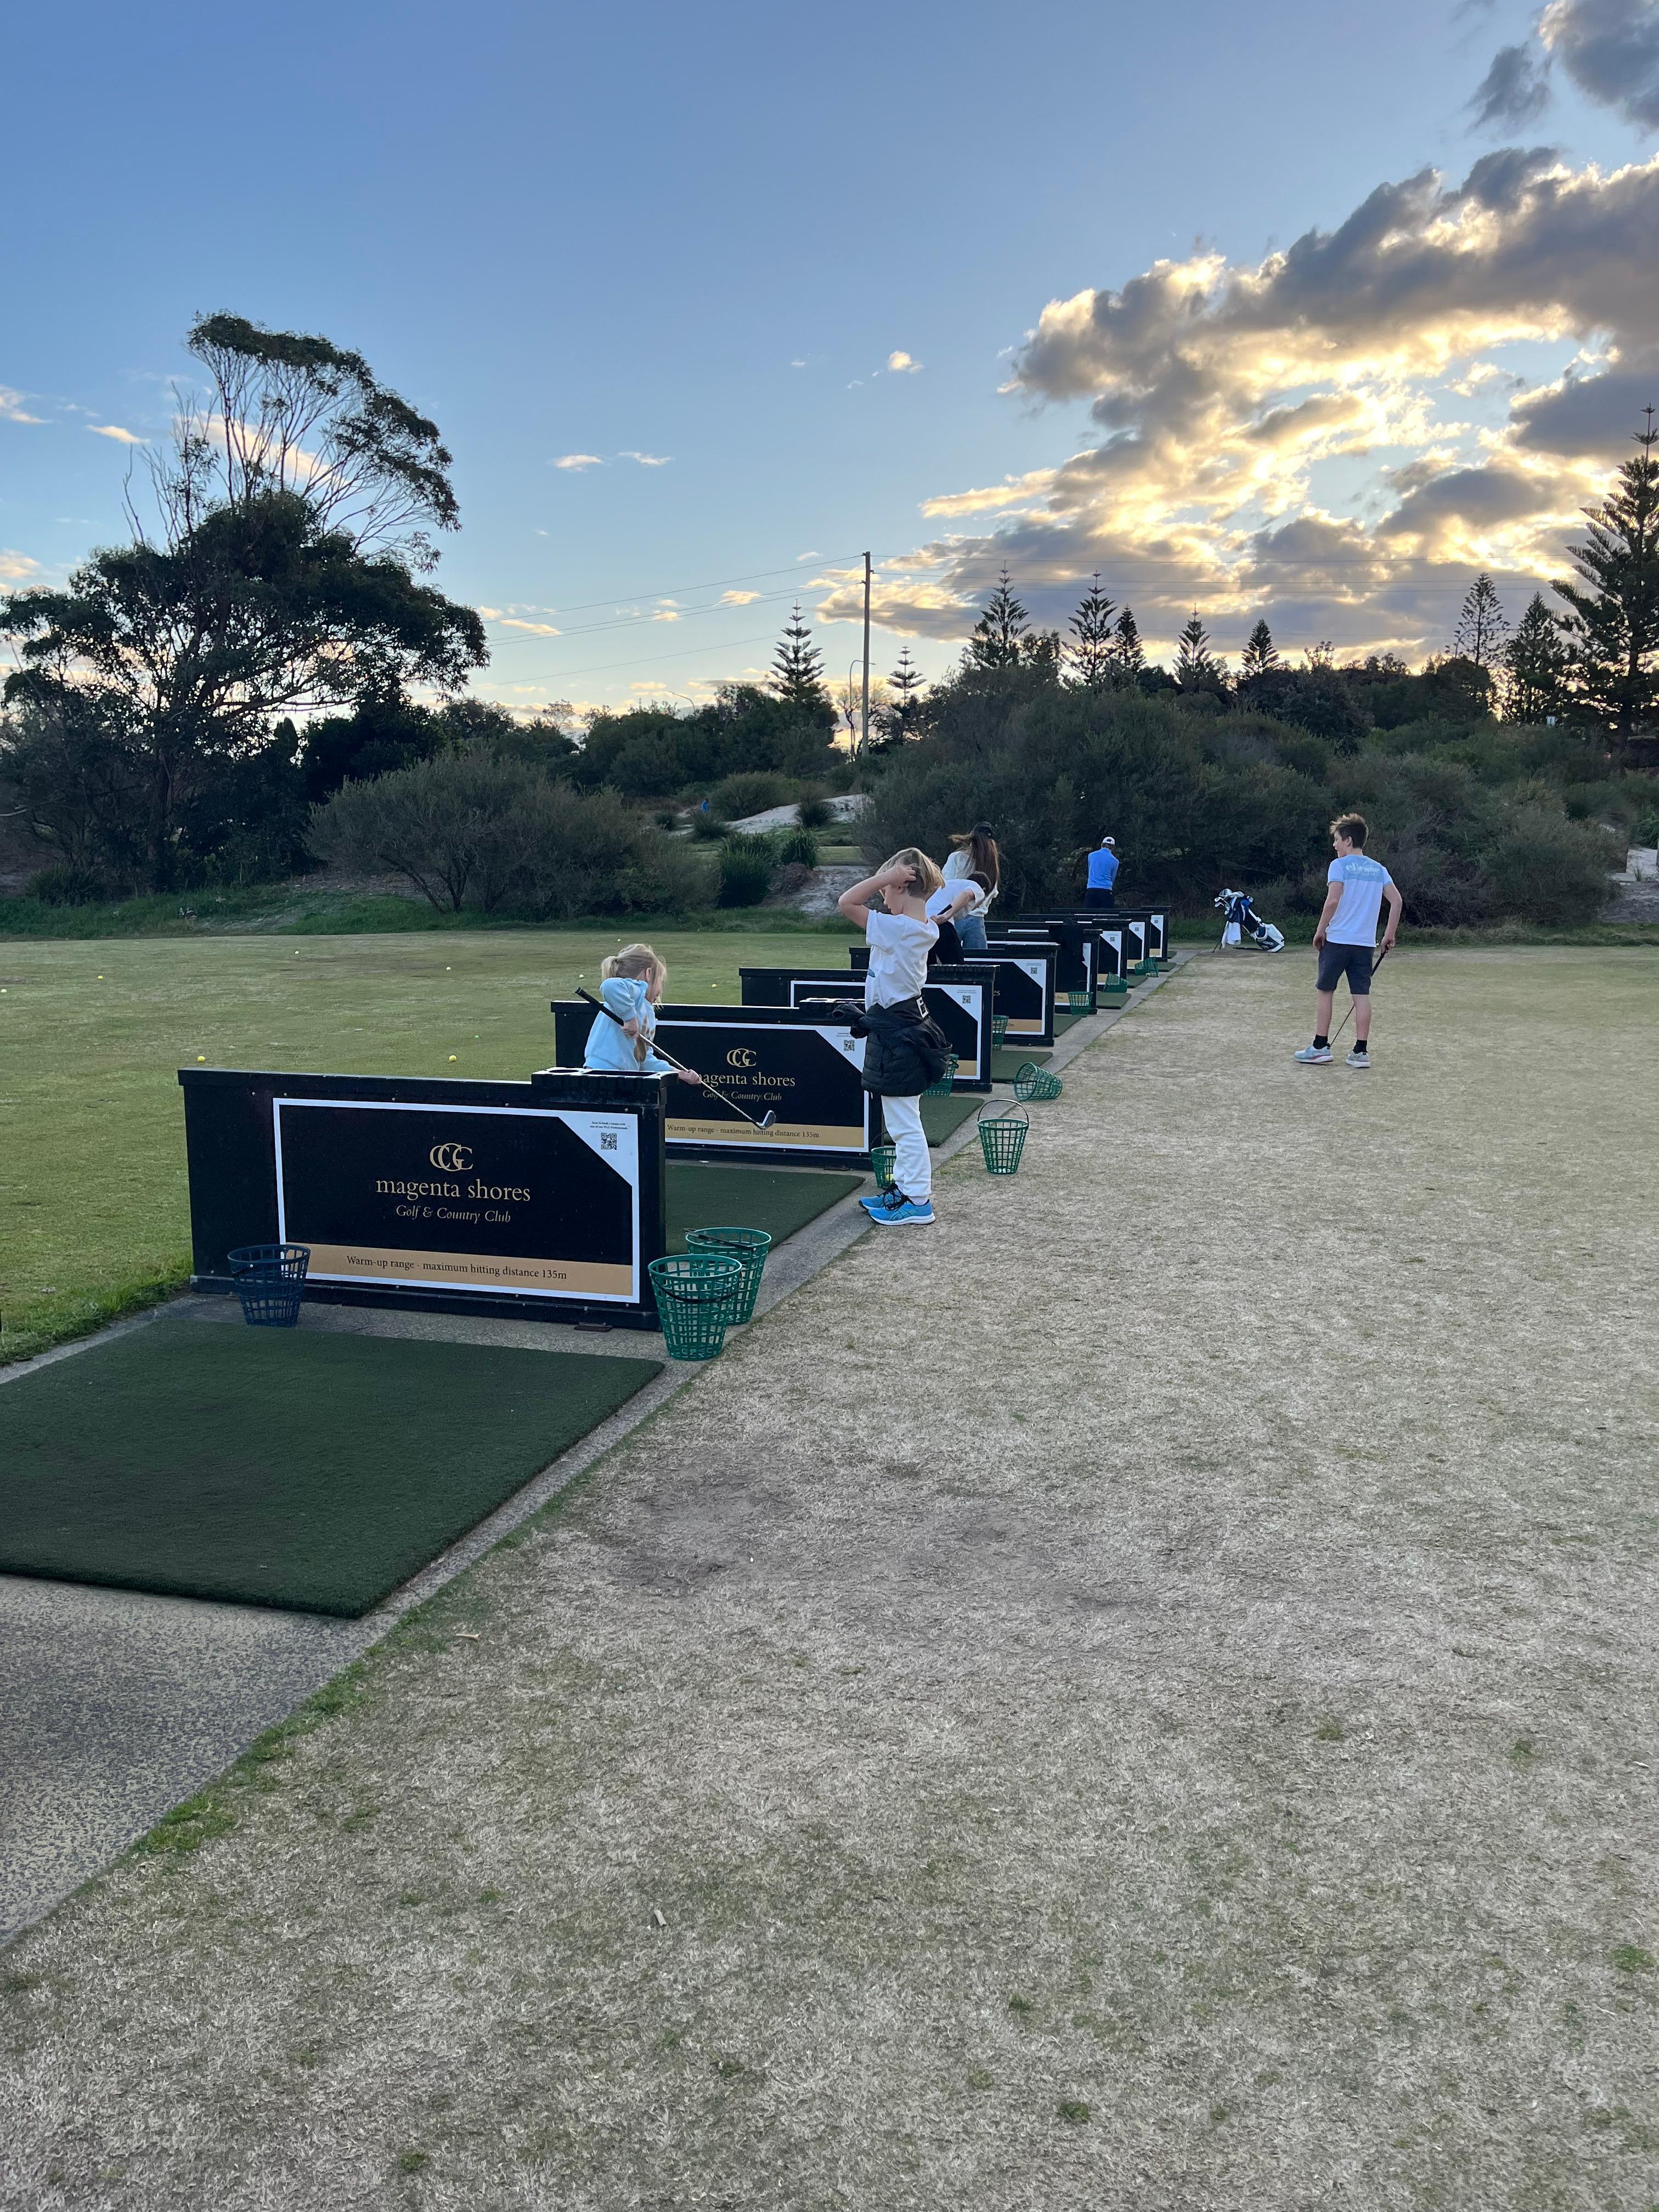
{"x": 1243, "y": 921}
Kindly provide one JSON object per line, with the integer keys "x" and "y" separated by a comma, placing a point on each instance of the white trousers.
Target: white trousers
{"x": 912, "y": 1170}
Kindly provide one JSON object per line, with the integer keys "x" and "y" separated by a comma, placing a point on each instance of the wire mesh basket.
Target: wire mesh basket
{"x": 942, "y": 1088}
{"x": 1002, "y": 1138}
{"x": 270, "y": 1280}
{"x": 1077, "y": 1001}
{"x": 697, "y": 1296}
{"x": 748, "y": 1247}
{"x": 1031, "y": 1081}
{"x": 998, "y": 1031}
{"x": 881, "y": 1159}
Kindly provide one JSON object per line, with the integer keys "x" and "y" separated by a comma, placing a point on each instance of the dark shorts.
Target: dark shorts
{"x": 1353, "y": 961}
{"x": 1098, "y": 901}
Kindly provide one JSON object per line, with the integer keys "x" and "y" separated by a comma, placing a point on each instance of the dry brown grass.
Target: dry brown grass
{"x": 1192, "y": 1660}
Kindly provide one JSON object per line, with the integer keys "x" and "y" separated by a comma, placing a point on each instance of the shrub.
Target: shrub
{"x": 745, "y": 871}
{"x": 799, "y": 844}
{"x": 815, "y": 812}
{"x": 749, "y": 792}
{"x": 710, "y": 827}
{"x": 473, "y": 831}
{"x": 1545, "y": 869}
{"x": 68, "y": 886}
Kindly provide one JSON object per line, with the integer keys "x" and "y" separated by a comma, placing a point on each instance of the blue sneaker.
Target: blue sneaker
{"x": 1314, "y": 1055}
{"x": 877, "y": 1202}
{"x": 901, "y": 1212}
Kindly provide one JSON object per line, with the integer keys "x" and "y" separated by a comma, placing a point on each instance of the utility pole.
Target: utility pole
{"x": 864, "y": 715}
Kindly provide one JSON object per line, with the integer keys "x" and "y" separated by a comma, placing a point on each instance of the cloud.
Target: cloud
{"x": 1610, "y": 49}
{"x": 1514, "y": 89}
{"x": 114, "y": 430}
{"x": 16, "y": 567}
{"x": 646, "y": 460}
{"x": 579, "y": 461}
{"x": 535, "y": 628}
{"x": 798, "y": 364}
{"x": 738, "y": 598}
{"x": 901, "y": 365}
{"x": 1332, "y": 435}
{"x": 12, "y": 409}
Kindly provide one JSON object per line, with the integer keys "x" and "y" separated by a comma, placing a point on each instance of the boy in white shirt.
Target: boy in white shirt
{"x": 903, "y": 1049}
{"x": 1347, "y": 938}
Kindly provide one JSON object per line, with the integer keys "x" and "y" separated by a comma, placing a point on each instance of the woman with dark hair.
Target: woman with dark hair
{"x": 973, "y": 865}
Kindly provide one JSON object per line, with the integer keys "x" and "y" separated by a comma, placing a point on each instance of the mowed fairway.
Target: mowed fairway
{"x": 1143, "y": 1698}
{"x": 93, "y": 1209}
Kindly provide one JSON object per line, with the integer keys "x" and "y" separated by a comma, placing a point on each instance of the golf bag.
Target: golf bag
{"x": 1243, "y": 921}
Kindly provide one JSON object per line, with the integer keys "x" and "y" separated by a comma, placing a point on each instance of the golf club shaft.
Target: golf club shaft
{"x": 764, "y": 1123}
{"x": 1348, "y": 1016}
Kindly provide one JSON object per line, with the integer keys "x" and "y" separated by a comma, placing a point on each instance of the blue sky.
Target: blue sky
{"x": 699, "y": 236}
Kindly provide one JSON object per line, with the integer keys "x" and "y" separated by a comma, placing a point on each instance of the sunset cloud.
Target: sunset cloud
{"x": 900, "y": 364}
{"x": 646, "y": 460}
{"x": 1336, "y": 435}
{"x": 12, "y": 409}
{"x": 114, "y": 430}
{"x": 579, "y": 461}
{"x": 16, "y": 567}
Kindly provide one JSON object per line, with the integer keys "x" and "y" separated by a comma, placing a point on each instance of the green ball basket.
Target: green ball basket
{"x": 698, "y": 1297}
{"x": 881, "y": 1159}
{"x": 942, "y": 1088}
{"x": 748, "y": 1247}
{"x": 1002, "y": 1138}
{"x": 998, "y": 1031}
{"x": 1031, "y": 1081}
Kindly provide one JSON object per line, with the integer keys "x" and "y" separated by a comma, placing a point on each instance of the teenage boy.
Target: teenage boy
{"x": 1100, "y": 895}
{"x": 1347, "y": 938}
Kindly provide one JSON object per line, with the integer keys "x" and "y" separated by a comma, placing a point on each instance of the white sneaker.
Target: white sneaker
{"x": 1315, "y": 1055}
{"x": 1358, "y": 1059}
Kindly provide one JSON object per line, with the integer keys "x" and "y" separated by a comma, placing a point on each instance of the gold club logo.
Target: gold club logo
{"x": 453, "y": 1159}
{"x": 740, "y": 1056}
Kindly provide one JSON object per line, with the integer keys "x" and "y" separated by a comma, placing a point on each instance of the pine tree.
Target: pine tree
{"x": 1091, "y": 652}
{"x": 798, "y": 668}
{"x": 1614, "y": 622}
{"x": 1197, "y": 668}
{"x": 1479, "y": 636}
{"x": 1128, "y": 654}
{"x": 1537, "y": 664}
{"x": 1260, "y": 653}
{"x": 1001, "y": 632}
{"x": 906, "y": 684}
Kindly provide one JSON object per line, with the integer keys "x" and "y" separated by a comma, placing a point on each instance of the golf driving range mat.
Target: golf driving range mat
{"x": 277, "y": 1466}
{"x": 1005, "y": 1066}
{"x": 779, "y": 1200}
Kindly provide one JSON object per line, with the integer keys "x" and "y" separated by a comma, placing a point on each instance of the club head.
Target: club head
{"x": 766, "y": 1121}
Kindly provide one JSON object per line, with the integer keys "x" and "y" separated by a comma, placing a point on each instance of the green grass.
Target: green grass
{"x": 294, "y": 1469}
{"x": 94, "y": 1208}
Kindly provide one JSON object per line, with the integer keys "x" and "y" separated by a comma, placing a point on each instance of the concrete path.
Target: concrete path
{"x": 116, "y": 1706}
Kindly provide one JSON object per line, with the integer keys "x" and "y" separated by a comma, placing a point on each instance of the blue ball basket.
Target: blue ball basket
{"x": 271, "y": 1281}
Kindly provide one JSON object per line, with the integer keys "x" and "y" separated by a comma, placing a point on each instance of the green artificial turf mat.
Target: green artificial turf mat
{"x": 940, "y": 1115}
{"x": 779, "y": 1200}
{"x": 279, "y": 1467}
{"x": 1005, "y": 1066}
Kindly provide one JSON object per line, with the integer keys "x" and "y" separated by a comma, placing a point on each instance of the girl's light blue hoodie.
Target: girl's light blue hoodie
{"x": 610, "y": 1048}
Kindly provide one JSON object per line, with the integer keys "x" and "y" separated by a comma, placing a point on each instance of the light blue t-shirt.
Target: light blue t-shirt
{"x": 1364, "y": 882}
{"x": 609, "y": 1045}
{"x": 1103, "y": 868}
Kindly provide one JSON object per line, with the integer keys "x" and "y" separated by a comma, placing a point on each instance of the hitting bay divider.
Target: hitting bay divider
{"x": 1023, "y": 983}
{"x": 959, "y": 999}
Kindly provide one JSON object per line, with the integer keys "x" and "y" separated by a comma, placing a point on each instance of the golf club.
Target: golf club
{"x": 765, "y": 1122}
{"x": 1348, "y": 1016}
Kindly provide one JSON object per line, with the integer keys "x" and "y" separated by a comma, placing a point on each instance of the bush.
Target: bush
{"x": 749, "y": 792}
{"x": 68, "y": 886}
{"x": 745, "y": 871}
{"x": 710, "y": 827}
{"x": 816, "y": 812}
{"x": 477, "y": 832}
{"x": 799, "y": 846}
{"x": 1545, "y": 869}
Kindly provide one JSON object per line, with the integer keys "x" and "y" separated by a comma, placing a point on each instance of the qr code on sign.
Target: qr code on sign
{"x": 607, "y": 1140}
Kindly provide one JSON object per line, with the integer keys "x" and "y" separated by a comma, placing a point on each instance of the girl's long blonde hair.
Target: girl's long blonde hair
{"x": 924, "y": 877}
{"x": 636, "y": 960}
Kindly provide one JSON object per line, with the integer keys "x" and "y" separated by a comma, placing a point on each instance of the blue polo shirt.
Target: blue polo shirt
{"x": 1103, "y": 868}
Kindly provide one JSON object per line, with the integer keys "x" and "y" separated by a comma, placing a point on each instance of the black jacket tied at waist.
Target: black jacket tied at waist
{"x": 905, "y": 1049}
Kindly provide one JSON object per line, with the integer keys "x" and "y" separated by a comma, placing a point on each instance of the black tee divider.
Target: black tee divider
{"x": 806, "y": 1068}
{"x": 1154, "y": 923}
{"x": 1025, "y": 988}
{"x": 961, "y": 1000}
{"x": 544, "y": 1199}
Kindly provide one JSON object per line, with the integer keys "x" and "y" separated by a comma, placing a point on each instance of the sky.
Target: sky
{"x": 1295, "y": 312}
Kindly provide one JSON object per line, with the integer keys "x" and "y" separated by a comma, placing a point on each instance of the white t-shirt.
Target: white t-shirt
{"x": 898, "y": 958}
{"x": 959, "y": 869}
{"x": 938, "y": 904}
{"x": 1364, "y": 882}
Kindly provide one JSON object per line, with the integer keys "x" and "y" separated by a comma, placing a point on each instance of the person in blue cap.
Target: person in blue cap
{"x": 1103, "y": 876}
